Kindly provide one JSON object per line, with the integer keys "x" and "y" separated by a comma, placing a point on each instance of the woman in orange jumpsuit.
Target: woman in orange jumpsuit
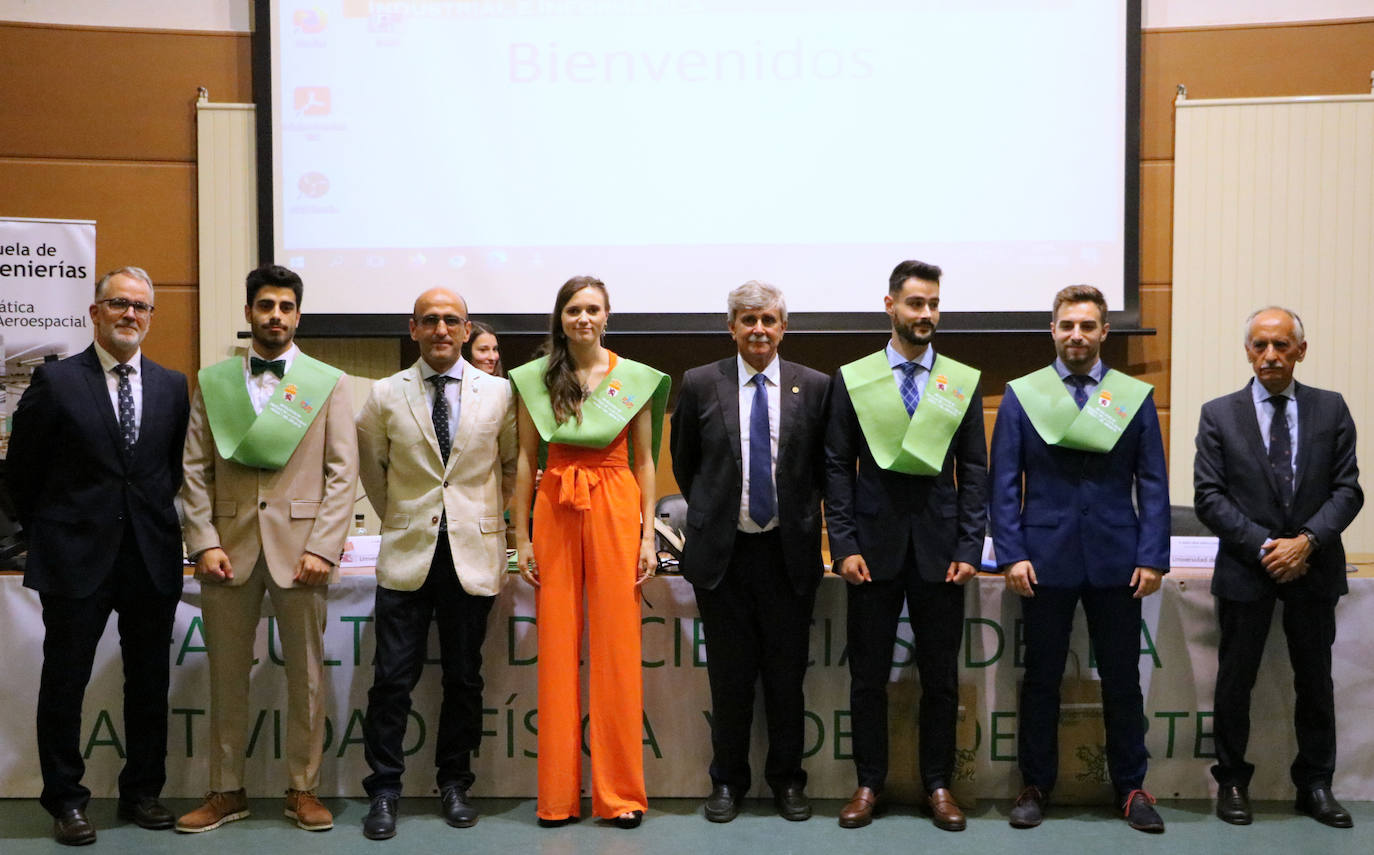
{"x": 590, "y": 544}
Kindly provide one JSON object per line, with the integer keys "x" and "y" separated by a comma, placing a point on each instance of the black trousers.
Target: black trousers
{"x": 757, "y": 628}
{"x": 1114, "y": 629}
{"x": 72, "y": 630}
{"x": 401, "y": 622}
{"x": 1310, "y": 628}
{"x": 936, "y": 612}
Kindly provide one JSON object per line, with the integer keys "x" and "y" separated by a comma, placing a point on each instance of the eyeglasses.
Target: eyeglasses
{"x": 450, "y": 321}
{"x": 121, "y": 305}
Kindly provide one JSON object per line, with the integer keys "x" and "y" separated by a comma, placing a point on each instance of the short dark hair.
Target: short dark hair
{"x": 273, "y": 276}
{"x": 909, "y": 268}
{"x": 1080, "y": 294}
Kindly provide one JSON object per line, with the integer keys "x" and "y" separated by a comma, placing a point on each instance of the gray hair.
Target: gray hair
{"x": 134, "y": 272}
{"x": 755, "y": 295}
{"x": 1297, "y": 322}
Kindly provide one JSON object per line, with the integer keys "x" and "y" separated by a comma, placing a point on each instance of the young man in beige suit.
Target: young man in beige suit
{"x": 437, "y": 449}
{"x": 271, "y": 469}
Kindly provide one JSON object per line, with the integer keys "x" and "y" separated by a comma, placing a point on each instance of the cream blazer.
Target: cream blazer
{"x": 305, "y": 506}
{"x": 409, "y": 486}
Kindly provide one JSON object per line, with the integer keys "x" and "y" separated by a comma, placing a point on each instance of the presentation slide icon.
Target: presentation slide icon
{"x": 311, "y": 101}
{"x": 308, "y": 21}
{"x": 313, "y": 185}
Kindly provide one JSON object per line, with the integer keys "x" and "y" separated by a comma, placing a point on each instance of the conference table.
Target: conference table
{"x": 1178, "y": 668}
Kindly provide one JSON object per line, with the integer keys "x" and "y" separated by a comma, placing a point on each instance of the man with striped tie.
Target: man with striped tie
{"x": 906, "y": 474}
{"x": 1276, "y": 479}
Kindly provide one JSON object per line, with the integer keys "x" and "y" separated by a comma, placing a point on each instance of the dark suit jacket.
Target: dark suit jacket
{"x": 1236, "y": 495}
{"x": 74, "y": 487}
{"x": 707, "y": 462}
{"x": 876, "y": 513}
{"x": 1073, "y": 518}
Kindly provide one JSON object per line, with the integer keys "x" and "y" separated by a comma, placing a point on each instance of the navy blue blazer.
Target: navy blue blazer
{"x": 1237, "y": 497}
{"x": 879, "y": 514}
{"x": 74, "y": 486}
{"x": 1070, "y": 512}
{"x": 707, "y": 463}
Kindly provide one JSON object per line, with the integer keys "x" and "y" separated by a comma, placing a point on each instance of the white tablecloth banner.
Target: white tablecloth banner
{"x": 1178, "y": 662}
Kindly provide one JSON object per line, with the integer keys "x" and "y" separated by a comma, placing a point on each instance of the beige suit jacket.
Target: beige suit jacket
{"x": 303, "y": 507}
{"x": 409, "y": 486}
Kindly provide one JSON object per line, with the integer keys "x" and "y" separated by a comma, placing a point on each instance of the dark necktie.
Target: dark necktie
{"x": 1080, "y": 388}
{"x": 276, "y": 366}
{"x": 762, "y": 503}
{"x": 1281, "y": 448}
{"x": 125, "y": 395}
{"x": 440, "y": 416}
{"x": 911, "y": 396}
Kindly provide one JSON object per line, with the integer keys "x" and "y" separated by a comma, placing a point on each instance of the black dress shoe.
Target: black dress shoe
{"x": 1139, "y": 810}
{"x": 71, "y": 828}
{"x": 456, "y": 809}
{"x": 145, "y": 812}
{"x": 1233, "y": 805}
{"x": 723, "y": 803}
{"x": 631, "y": 819}
{"x": 558, "y": 823}
{"x": 1029, "y": 810}
{"x": 1322, "y": 806}
{"x": 792, "y": 803}
{"x": 380, "y": 822}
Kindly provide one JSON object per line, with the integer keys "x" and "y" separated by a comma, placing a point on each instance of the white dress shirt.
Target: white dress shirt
{"x": 771, "y": 375}
{"x": 262, "y": 386}
{"x": 452, "y": 390}
{"x": 107, "y": 364}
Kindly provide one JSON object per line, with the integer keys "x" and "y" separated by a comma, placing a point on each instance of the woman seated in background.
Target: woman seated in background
{"x": 483, "y": 350}
{"x": 593, "y": 542}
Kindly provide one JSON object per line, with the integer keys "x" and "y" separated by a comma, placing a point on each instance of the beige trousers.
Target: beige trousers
{"x": 231, "y": 617}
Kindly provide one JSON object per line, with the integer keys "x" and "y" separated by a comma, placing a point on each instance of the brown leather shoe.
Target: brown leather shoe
{"x": 306, "y": 810}
{"x": 214, "y": 811}
{"x": 945, "y": 812}
{"x": 859, "y": 811}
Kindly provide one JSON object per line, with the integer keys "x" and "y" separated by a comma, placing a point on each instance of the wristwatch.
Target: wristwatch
{"x": 1311, "y": 538}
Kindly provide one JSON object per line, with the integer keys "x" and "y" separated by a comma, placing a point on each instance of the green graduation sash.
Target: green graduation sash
{"x": 1097, "y": 426}
{"x": 915, "y": 444}
{"x": 622, "y": 393}
{"x": 264, "y": 440}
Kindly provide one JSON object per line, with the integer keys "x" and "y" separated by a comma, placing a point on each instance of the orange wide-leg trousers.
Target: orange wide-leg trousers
{"x": 586, "y": 546}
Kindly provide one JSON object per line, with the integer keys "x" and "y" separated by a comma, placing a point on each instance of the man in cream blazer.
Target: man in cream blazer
{"x": 437, "y": 457}
{"x": 267, "y": 512}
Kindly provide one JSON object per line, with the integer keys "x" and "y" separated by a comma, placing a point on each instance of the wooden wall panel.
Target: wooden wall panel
{"x": 1312, "y": 59}
{"x": 173, "y": 336}
{"x": 1156, "y": 221}
{"x": 145, "y": 213}
{"x": 112, "y": 94}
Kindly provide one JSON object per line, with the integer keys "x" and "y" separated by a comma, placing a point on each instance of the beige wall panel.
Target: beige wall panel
{"x": 1274, "y": 203}
{"x": 112, "y": 94}
{"x": 1156, "y": 221}
{"x": 145, "y": 213}
{"x": 1316, "y": 59}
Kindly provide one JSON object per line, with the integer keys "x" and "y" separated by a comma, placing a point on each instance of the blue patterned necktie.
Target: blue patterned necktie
{"x": 911, "y": 396}
{"x": 440, "y": 416}
{"x": 1080, "y": 388}
{"x": 125, "y": 395}
{"x": 1281, "y": 448}
{"x": 762, "y": 502}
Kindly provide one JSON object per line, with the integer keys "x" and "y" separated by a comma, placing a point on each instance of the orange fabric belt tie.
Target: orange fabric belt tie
{"x": 575, "y": 485}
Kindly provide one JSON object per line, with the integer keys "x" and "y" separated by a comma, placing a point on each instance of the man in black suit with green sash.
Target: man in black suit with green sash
{"x": 906, "y": 473}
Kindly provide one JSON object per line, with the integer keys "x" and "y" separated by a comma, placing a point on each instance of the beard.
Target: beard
{"x": 912, "y": 334}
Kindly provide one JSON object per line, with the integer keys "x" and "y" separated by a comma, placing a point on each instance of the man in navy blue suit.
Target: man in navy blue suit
{"x": 94, "y": 464}
{"x": 1072, "y": 443}
{"x": 1276, "y": 479}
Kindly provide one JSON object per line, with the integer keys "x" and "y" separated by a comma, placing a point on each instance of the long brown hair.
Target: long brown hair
{"x": 560, "y": 375}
